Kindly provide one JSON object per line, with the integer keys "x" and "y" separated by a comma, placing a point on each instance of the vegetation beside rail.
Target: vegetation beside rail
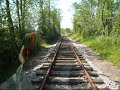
{"x": 107, "y": 47}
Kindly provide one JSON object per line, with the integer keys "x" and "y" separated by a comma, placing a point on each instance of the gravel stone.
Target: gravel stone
{"x": 96, "y": 61}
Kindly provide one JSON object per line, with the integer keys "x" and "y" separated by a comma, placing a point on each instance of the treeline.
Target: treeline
{"x": 97, "y": 17}
{"x": 97, "y": 24}
{"x": 19, "y": 17}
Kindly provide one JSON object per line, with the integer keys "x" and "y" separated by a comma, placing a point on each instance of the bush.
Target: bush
{"x": 107, "y": 47}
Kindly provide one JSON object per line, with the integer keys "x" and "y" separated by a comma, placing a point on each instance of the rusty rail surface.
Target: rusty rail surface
{"x": 53, "y": 60}
{"x": 66, "y": 69}
{"x": 85, "y": 71}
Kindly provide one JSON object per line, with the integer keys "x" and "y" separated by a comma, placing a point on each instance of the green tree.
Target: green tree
{"x": 96, "y": 17}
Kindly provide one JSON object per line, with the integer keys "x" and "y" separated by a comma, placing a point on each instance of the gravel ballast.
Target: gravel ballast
{"x": 107, "y": 72}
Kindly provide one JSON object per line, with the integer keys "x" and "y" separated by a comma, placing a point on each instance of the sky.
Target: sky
{"x": 67, "y": 12}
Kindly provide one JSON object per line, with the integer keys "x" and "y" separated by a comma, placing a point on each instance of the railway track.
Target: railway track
{"x": 66, "y": 69}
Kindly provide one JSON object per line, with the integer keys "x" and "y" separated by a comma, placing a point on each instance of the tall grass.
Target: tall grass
{"x": 107, "y": 47}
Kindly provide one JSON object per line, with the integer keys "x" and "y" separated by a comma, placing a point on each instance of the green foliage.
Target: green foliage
{"x": 17, "y": 18}
{"x": 96, "y": 24}
{"x": 49, "y": 23}
{"x": 66, "y": 31}
{"x": 97, "y": 17}
{"x": 107, "y": 47}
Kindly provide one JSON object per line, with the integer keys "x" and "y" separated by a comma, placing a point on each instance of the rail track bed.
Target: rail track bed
{"x": 66, "y": 69}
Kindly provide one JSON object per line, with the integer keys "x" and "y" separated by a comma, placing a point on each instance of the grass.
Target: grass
{"x": 107, "y": 47}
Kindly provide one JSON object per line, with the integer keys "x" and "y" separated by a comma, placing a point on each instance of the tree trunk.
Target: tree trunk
{"x": 11, "y": 28}
{"x": 22, "y": 10}
{"x": 10, "y": 22}
{"x": 110, "y": 24}
{"x": 49, "y": 14}
{"x": 19, "y": 21}
{"x": 2, "y": 12}
{"x": 103, "y": 22}
{"x": 23, "y": 17}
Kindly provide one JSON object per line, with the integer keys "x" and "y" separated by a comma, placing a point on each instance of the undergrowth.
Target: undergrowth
{"x": 107, "y": 47}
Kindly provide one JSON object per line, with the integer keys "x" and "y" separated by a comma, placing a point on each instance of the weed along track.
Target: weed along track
{"x": 66, "y": 69}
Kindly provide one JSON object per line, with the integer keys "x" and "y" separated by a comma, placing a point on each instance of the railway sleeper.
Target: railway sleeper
{"x": 63, "y": 74}
{"x": 79, "y": 54}
{"x": 70, "y": 68}
{"x": 65, "y": 81}
{"x": 58, "y": 58}
{"x": 66, "y": 56}
{"x": 66, "y": 61}
{"x": 59, "y": 69}
{"x": 61, "y": 56}
{"x": 81, "y": 58}
{"x": 65, "y": 52}
{"x": 86, "y": 64}
{"x": 71, "y": 81}
{"x": 41, "y": 73}
{"x": 83, "y": 86}
{"x": 44, "y": 67}
{"x": 37, "y": 80}
{"x": 63, "y": 64}
{"x": 94, "y": 74}
{"x": 46, "y": 63}
{"x": 68, "y": 65}
{"x": 83, "y": 61}
{"x": 98, "y": 81}
{"x": 66, "y": 68}
{"x": 60, "y": 73}
{"x": 89, "y": 68}
{"x": 66, "y": 49}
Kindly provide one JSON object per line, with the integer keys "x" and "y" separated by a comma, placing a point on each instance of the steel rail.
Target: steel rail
{"x": 41, "y": 86}
{"x": 89, "y": 79}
